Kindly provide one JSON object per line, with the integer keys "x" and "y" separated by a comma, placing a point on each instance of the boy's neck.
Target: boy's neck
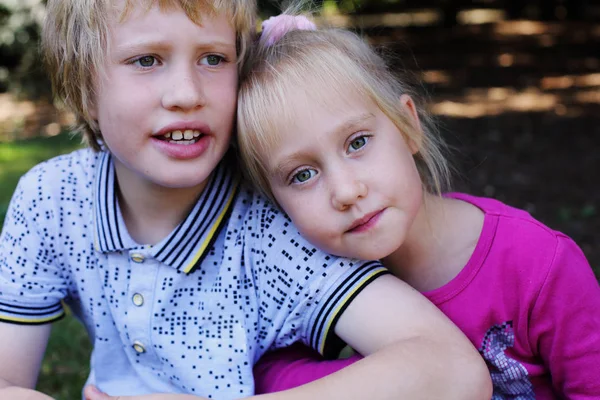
{"x": 151, "y": 212}
{"x": 439, "y": 245}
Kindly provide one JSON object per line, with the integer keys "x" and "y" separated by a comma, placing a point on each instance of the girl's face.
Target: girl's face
{"x": 346, "y": 175}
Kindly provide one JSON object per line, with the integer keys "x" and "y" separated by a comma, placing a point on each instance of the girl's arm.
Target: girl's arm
{"x": 565, "y": 324}
{"x": 294, "y": 366}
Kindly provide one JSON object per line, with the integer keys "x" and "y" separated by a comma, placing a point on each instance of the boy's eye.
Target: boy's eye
{"x": 304, "y": 175}
{"x": 212, "y": 60}
{"x": 358, "y": 143}
{"x": 146, "y": 61}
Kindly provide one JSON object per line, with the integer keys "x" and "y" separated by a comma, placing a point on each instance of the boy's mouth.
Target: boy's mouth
{"x": 188, "y": 136}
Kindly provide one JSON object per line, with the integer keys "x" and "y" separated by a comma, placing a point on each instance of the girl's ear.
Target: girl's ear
{"x": 415, "y": 139}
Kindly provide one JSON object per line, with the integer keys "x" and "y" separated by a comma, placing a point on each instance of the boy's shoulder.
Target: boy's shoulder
{"x": 259, "y": 218}
{"x": 271, "y": 236}
{"x": 61, "y": 180}
{"x": 67, "y": 168}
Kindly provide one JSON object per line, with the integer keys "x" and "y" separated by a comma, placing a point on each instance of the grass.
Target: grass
{"x": 66, "y": 365}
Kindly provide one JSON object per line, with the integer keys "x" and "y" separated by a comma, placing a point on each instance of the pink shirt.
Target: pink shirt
{"x": 527, "y": 299}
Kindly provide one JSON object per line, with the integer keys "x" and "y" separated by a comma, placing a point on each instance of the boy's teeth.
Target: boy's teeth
{"x": 177, "y": 135}
{"x": 182, "y": 141}
{"x": 182, "y": 137}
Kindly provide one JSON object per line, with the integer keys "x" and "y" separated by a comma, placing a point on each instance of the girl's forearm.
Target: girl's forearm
{"x": 413, "y": 369}
{"x": 294, "y": 366}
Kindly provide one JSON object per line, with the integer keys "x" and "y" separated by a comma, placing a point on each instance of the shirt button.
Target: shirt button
{"x": 138, "y": 299}
{"x": 137, "y": 258}
{"x": 139, "y": 347}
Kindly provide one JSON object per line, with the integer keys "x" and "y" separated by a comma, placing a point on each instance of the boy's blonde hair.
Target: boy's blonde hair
{"x": 75, "y": 39}
{"x": 321, "y": 62}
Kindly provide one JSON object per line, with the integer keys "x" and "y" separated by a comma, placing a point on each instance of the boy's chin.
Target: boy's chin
{"x": 181, "y": 183}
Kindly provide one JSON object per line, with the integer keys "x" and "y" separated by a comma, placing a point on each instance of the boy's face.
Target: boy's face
{"x": 346, "y": 176}
{"x": 166, "y": 103}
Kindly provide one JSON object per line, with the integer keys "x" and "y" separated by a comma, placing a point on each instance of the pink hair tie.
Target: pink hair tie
{"x": 275, "y": 27}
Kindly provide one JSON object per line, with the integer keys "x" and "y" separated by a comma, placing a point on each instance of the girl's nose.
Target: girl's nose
{"x": 347, "y": 191}
{"x": 183, "y": 89}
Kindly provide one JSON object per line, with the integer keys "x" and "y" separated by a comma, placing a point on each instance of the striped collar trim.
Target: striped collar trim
{"x": 187, "y": 245}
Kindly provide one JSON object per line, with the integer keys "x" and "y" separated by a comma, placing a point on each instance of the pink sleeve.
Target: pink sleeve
{"x": 294, "y": 366}
{"x": 565, "y": 324}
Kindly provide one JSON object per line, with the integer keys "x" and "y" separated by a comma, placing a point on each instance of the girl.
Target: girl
{"x": 327, "y": 131}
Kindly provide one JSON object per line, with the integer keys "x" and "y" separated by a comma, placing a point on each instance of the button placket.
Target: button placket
{"x": 137, "y": 258}
{"x": 143, "y": 269}
{"x": 139, "y": 347}
{"x": 137, "y": 300}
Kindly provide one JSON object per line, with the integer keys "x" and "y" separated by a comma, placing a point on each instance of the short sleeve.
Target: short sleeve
{"x": 566, "y": 323}
{"x": 31, "y": 284}
{"x": 302, "y": 290}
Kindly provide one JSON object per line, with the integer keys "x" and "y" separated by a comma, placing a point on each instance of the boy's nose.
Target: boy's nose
{"x": 347, "y": 191}
{"x": 184, "y": 90}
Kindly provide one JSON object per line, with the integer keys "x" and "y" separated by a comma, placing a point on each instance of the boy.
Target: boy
{"x": 182, "y": 276}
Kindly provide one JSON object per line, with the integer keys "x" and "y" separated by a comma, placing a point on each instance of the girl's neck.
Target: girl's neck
{"x": 439, "y": 243}
{"x": 151, "y": 212}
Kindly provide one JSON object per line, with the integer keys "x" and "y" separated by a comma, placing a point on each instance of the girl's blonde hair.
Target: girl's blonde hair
{"x": 321, "y": 62}
{"x": 75, "y": 44}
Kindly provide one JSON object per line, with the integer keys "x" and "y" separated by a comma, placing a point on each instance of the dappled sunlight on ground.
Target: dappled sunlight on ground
{"x": 20, "y": 119}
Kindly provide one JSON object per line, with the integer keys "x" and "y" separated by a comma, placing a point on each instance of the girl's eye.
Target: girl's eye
{"x": 304, "y": 175}
{"x": 212, "y": 60}
{"x": 146, "y": 61}
{"x": 358, "y": 143}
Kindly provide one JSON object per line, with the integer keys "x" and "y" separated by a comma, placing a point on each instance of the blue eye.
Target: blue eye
{"x": 146, "y": 61}
{"x": 357, "y": 143}
{"x": 304, "y": 175}
{"x": 212, "y": 60}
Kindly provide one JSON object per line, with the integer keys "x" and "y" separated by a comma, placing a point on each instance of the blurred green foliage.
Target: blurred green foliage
{"x": 20, "y": 69}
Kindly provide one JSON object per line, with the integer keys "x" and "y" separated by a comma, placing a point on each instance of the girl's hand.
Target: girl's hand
{"x": 91, "y": 392}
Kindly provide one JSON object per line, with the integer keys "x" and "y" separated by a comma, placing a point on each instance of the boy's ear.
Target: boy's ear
{"x": 92, "y": 111}
{"x": 414, "y": 141}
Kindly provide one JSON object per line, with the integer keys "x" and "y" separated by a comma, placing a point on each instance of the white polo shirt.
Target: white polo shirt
{"x": 190, "y": 314}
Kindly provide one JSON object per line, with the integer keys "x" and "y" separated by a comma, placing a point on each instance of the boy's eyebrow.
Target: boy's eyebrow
{"x": 353, "y": 123}
{"x": 143, "y": 45}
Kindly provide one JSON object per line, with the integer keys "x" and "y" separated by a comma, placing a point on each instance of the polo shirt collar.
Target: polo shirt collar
{"x": 186, "y": 246}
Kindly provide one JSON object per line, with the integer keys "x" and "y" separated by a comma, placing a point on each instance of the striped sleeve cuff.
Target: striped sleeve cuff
{"x": 322, "y": 335}
{"x": 29, "y": 315}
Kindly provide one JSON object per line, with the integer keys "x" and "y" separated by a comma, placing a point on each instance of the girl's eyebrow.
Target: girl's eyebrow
{"x": 353, "y": 123}
{"x": 281, "y": 170}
